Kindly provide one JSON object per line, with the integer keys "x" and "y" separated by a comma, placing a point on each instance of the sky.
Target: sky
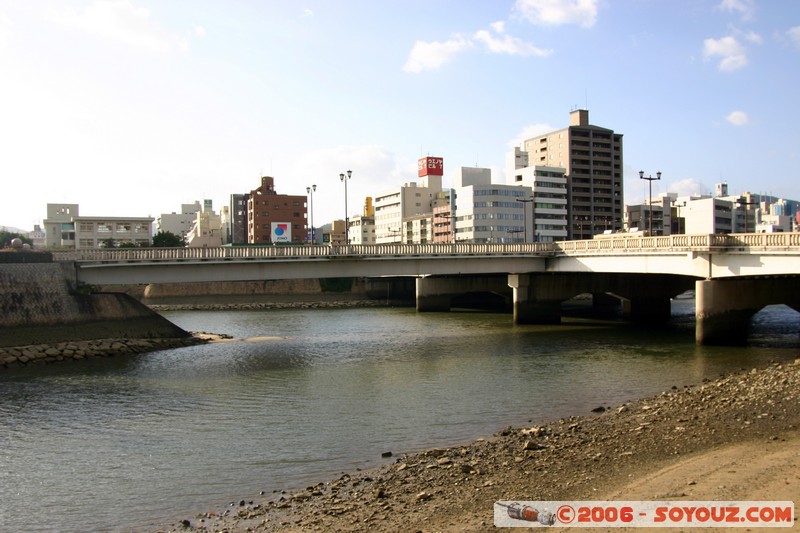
{"x": 134, "y": 107}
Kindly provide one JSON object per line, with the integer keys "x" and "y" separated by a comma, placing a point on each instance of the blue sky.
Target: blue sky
{"x": 134, "y": 107}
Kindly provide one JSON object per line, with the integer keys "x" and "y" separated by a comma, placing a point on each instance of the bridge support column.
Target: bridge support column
{"x": 434, "y": 294}
{"x": 605, "y": 305}
{"x": 649, "y": 308}
{"x": 724, "y": 307}
{"x": 531, "y": 302}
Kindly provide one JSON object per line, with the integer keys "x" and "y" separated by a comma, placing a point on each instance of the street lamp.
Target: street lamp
{"x": 513, "y": 233}
{"x": 345, "y": 179}
{"x": 451, "y": 223}
{"x": 525, "y": 214}
{"x": 396, "y": 232}
{"x": 650, "y": 203}
{"x": 310, "y": 191}
{"x": 744, "y": 203}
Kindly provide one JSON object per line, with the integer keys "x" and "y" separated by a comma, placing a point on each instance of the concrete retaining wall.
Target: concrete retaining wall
{"x": 39, "y": 305}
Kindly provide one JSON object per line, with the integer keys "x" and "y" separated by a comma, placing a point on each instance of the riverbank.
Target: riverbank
{"x": 272, "y": 303}
{"x": 17, "y": 356}
{"x": 732, "y": 438}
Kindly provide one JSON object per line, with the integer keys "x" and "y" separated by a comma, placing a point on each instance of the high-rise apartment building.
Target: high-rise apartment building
{"x": 274, "y": 218}
{"x": 237, "y": 221}
{"x": 592, "y": 157}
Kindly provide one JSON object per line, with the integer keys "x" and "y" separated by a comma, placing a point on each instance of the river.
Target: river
{"x": 127, "y": 443}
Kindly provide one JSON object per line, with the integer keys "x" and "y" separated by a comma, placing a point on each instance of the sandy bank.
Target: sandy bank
{"x": 736, "y": 437}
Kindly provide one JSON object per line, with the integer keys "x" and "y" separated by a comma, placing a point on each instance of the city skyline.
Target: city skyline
{"x": 133, "y": 107}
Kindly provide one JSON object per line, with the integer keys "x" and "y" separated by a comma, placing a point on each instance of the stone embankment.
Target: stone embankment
{"x": 17, "y": 356}
{"x": 677, "y": 445}
{"x": 257, "y": 306}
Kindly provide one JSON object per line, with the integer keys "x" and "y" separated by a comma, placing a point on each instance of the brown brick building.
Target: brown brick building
{"x": 274, "y": 218}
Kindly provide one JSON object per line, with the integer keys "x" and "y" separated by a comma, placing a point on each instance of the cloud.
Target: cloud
{"x": 688, "y": 186}
{"x": 746, "y": 8}
{"x": 5, "y": 30}
{"x": 529, "y": 132}
{"x": 753, "y": 37}
{"x": 558, "y": 12}
{"x": 120, "y": 20}
{"x": 794, "y": 35}
{"x": 432, "y": 55}
{"x": 200, "y": 31}
{"x": 375, "y": 170}
{"x": 307, "y": 13}
{"x": 732, "y": 53}
{"x": 507, "y": 44}
{"x": 738, "y": 118}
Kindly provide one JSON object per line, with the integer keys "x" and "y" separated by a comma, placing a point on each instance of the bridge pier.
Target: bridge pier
{"x": 724, "y": 307}
{"x": 434, "y": 294}
{"x": 480, "y": 292}
{"x": 646, "y": 298}
{"x": 537, "y": 298}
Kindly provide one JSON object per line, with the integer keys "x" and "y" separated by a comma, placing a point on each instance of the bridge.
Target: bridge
{"x": 733, "y": 275}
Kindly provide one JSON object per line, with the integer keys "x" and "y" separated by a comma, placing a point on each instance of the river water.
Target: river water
{"x": 127, "y": 443}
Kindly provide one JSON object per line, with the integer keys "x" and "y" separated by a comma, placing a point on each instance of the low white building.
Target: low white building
{"x": 546, "y": 214}
{"x": 180, "y": 224}
{"x": 206, "y": 230}
{"x": 65, "y": 228}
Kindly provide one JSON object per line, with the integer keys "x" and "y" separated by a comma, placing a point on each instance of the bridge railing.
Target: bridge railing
{"x": 612, "y": 244}
{"x": 762, "y": 242}
{"x": 301, "y": 252}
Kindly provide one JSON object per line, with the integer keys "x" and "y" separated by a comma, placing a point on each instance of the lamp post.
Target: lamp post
{"x": 345, "y": 179}
{"x": 310, "y": 191}
{"x": 650, "y": 203}
{"x": 451, "y": 223}
{"x": 744, "y": 203}
{"x": 525, "y": 215}
{"x": 513, "y": 233}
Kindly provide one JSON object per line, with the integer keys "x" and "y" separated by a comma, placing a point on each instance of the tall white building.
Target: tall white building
{"x": 546, "y": 214}
{"x": 485, "y": 211}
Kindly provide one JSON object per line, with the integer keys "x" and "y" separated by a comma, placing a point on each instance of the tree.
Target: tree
{"x": 6, "y": 237}
{"x": 167, "y": 239}
{"x": 108, "y": 243}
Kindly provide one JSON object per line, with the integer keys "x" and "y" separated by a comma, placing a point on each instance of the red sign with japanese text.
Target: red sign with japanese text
{"x": 430, "y": 166}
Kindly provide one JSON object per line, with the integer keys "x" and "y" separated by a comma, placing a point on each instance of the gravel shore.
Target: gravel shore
{"x": 18, "y": 356}
{"x": 736, "y": 437}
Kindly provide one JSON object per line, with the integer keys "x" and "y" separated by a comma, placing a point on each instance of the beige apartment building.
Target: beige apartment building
{"x": 592, "y": 157}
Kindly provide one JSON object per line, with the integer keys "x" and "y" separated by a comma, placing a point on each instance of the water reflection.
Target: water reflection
{"x": 119, "y": 442}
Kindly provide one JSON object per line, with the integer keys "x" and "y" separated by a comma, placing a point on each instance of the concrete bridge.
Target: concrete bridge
{"x": 733, "y": 276}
